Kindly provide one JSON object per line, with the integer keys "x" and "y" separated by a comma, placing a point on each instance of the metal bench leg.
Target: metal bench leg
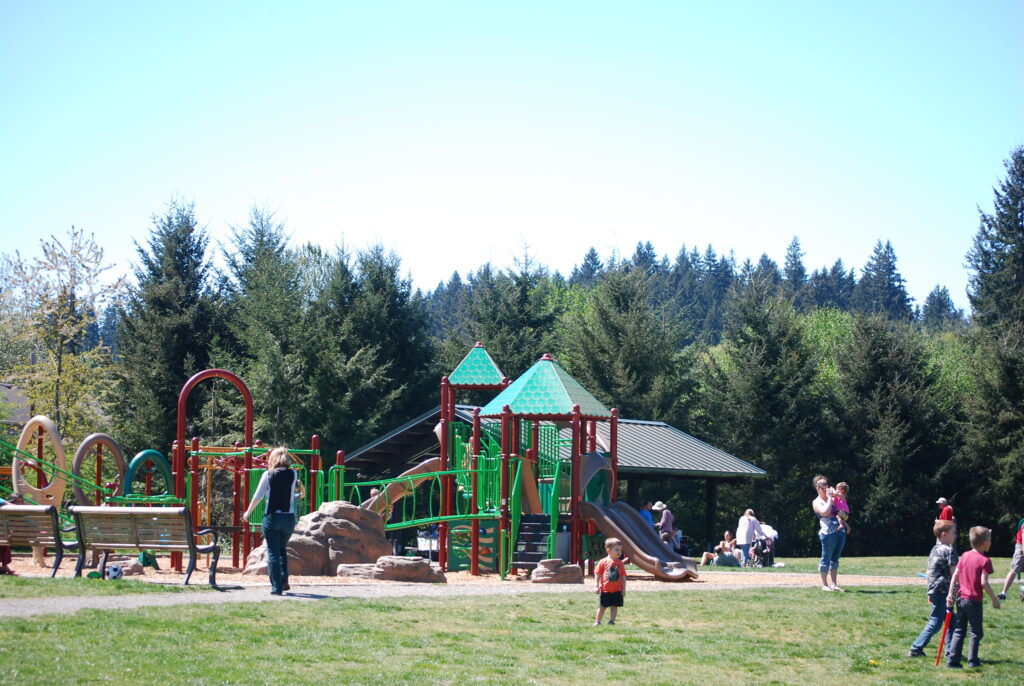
{"x": 103, "y": 564}
{"x": 191, "y": 568}
{"x": 213, "y": 567}
{"x": 80, "y": 565}
{"x": 58, "y": 555}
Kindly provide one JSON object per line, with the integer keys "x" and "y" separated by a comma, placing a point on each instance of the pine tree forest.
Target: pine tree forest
{"x": 799, "y": 369}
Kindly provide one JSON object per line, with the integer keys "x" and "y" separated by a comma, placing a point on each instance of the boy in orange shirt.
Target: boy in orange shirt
{"x": 610, "y": 575}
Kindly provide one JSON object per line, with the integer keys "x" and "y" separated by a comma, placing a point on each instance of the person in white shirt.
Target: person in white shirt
{"x": 747, "y": 529}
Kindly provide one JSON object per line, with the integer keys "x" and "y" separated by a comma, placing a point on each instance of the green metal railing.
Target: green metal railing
{"x": 418, "y": 498}
{"x": 53, "y": 469}
{"x": 558, "y": 501}
{"x": 515, "y": 506}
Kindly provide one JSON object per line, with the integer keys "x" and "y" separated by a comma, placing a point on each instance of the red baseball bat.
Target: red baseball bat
{"x": 942, "y": 641}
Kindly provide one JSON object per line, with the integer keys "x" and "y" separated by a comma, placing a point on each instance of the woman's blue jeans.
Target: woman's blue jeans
{"x": 935, "y": 621}
{"x": 831, "y": 548}
{"x": 277, "y": 529}
{"x": 745, "y": 553}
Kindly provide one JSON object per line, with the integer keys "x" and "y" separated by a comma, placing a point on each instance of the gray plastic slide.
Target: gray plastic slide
{"x": 640, "y": 542}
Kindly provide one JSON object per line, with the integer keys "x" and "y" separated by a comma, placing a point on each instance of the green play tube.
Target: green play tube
{"x": 160, "y": 464}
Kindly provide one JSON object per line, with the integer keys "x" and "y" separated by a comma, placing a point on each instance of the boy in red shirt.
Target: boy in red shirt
{"x": 611, "y": 580}
{"x": 969, "y": 581}
{"x": 1016, "y": 564}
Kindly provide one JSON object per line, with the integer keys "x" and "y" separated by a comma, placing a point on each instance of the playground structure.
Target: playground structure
{"x": 528, "y": 479}
{"x": 514, "y": 475}
{"x": 186, "y": 480}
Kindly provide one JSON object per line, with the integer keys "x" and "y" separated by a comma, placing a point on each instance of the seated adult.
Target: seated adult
{"x": 726, "y": 546}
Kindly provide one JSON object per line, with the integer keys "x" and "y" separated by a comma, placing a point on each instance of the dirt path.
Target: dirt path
{"x": 308, "y": 589}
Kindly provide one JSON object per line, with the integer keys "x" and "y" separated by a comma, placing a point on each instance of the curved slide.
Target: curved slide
{"x": 639, "y": 542}
{"x": 383, "y": 502}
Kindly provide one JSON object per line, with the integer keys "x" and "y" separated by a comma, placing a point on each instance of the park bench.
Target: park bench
{"x": 142, "y": 528}
{"x": 35, "y": 525}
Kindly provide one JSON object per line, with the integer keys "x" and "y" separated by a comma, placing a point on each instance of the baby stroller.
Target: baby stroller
{"x": 763, "y": 552}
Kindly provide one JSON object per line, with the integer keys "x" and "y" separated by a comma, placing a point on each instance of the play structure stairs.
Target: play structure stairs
{"x": 532, "y": 543}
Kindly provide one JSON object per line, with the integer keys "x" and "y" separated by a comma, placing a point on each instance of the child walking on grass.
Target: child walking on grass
{"x": 610, "y": 576}
{"x": 941, "y": 566}
{"x": 969, "y": 581}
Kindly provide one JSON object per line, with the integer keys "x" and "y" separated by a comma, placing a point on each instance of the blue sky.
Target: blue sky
{"x": 460, "y": 132}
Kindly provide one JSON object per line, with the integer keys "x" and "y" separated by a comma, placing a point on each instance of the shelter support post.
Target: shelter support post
{"x": 710, "y": 507}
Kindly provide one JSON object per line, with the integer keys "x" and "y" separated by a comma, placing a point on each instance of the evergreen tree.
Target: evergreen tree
{"x": 350, "y": 387}
{"x": 587, "y": 273}
{"x": 760, "y": 401}
{"x": 513, "y": 314}
{"x": 388, "y": 316}
{"x": 832, "y": 286}
{"x": 993, "y": 453}
{"x": 625, "y": 352}
{"x": 880, "y": 289}
{"x": 939, "y": 313}
{"x": 266, "y": 308}
{"x": 996, "y": 287}
{"x": 166, "y": 328}
{"x": 795, "y": 275}
{"x": 645, "y": 258}
{"x": 898, "y": 438}
{"x": 446, "y": 306}
{"x": 767, "y": 270}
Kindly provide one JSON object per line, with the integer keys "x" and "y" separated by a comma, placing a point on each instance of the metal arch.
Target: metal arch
{"x": 53, "y": 491}
{"x": 214, "y": 374}
{"x": 88, "y": 444}
{"x": 161, "y": 465}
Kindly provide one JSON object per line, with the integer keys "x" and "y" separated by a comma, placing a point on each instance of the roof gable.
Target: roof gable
{"x": 477, "y": 369}
{"x": 545, "y": 389}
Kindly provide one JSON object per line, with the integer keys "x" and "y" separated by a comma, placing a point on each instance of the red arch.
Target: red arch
{"x": 219, "y": 374}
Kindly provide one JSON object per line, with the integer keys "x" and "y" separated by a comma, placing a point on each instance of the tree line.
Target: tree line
{"x": 796, "y": 371}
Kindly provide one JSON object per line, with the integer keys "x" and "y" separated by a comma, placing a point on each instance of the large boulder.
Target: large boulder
{"x": 395, "y": 568}
{"x": 337, "y": 533}
{"x": 555, "y": 571}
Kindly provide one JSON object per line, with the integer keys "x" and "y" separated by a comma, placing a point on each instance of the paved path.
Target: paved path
{"x": 710, "y": 581}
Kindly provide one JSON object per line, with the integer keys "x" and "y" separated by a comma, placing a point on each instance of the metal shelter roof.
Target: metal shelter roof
{"x": 546, "y": 390}
{"x": 477, "y": 369}
{"x": 659, "y": 448}
{"x": 645, "y": 448}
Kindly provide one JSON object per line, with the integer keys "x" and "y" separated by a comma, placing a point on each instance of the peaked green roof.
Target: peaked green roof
{"x": 546, "y": 389}
{"x": 477, "y": 369}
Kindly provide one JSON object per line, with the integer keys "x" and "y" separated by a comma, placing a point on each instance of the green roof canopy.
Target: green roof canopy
{"x": 546, "y": 390}
{"x": 477, "y": 369}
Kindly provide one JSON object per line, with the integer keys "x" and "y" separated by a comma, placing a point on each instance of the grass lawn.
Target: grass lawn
{"x": 27, "y": 587}
{"x": 766, "y": 636}
{"x": 873, "y": 566}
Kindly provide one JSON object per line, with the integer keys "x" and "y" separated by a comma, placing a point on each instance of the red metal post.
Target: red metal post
{"x": 504, "y": 521}
{"x": 576, "y": 498}
{"x": 592, "y": 435}
{"x": 178, "y": 476}
{"x": 313, "y": 495}
{"x": 41, "y": 479}
{"x": 99, "y": 471}
{"x": 248, "y": 537}
{"x": 442, "y": 530}
{"x": 613, "y": 441}
{"x": 236, "y": 505}
{"x": 193, "y": 470}
{"x": 339, "y": 461}
{"x": 474, "y": 508}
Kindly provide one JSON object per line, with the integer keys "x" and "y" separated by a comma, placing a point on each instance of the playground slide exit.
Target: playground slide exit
{"x": 639, "y": 542}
